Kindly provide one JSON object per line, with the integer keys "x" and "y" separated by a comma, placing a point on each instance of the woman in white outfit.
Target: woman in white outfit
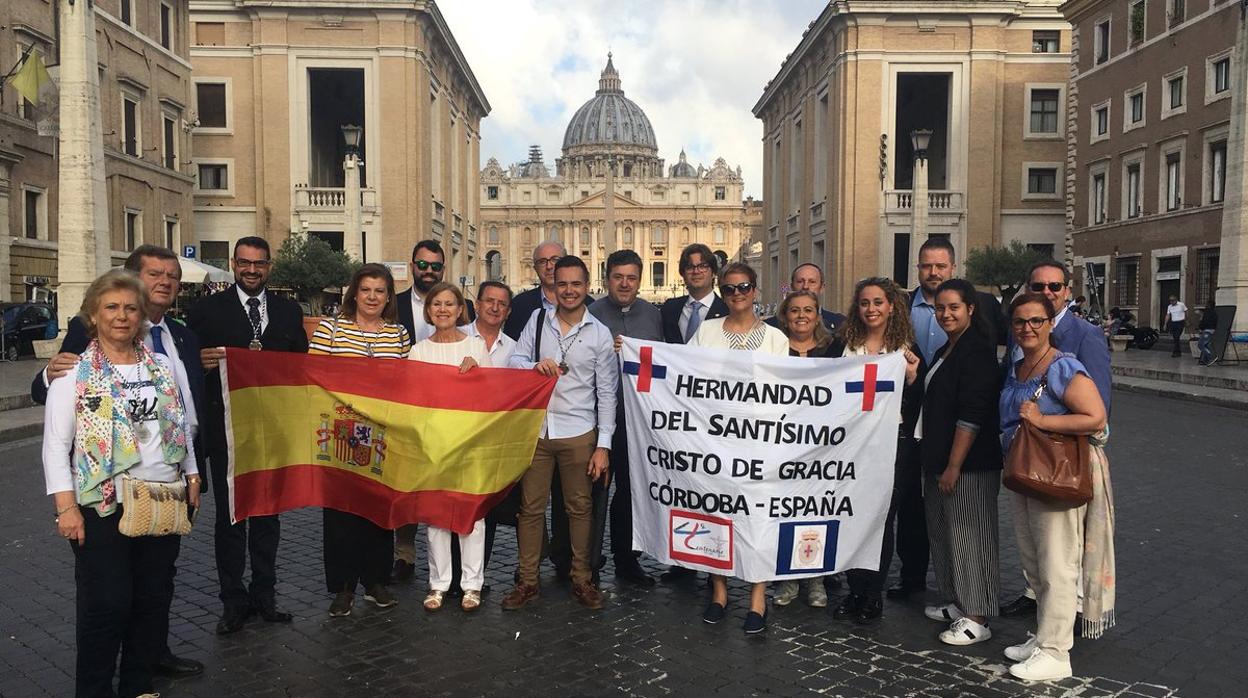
{"x": 445, "y": 310}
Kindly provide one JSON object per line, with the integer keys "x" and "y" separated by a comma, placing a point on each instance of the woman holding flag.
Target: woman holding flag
{"x": 356, "y": 549}
{"x": 741, "y": 330}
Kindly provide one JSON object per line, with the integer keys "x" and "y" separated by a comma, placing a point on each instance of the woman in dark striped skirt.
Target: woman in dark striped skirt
{"x": 961, "y": 456}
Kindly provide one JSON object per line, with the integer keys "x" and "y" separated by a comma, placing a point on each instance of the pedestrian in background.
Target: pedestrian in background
{"x": 961, "y": 456}
{"x": 1065, "y": 550}
{"x": 1176, "y": 318}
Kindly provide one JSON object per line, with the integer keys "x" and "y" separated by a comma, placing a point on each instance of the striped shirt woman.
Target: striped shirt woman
{"x": 343, "y": 337}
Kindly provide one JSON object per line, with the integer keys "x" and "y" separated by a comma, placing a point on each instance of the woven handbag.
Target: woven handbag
{"x": 1048, "y": 466}
{"x": 153, "y": 508}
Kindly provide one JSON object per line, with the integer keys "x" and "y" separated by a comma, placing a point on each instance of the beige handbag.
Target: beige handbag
{"x": 153, "y": 508}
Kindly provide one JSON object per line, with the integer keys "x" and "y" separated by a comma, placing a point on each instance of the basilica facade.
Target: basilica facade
{"x": 610, "y": 190}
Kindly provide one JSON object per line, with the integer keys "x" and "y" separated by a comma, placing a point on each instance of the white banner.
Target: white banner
{"x": 760, "y": 467}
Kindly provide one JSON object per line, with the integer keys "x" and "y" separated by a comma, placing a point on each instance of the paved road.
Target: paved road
{"x": 1179, "y": 471}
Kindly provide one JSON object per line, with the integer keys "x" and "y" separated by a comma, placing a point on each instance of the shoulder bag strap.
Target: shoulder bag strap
{"x": 537, "y": 335}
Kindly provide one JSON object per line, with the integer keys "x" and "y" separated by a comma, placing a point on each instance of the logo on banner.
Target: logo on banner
{"x": 869, "y": 386}
{"x": 645, "y": 369}
{"x": 698, "y": 538}
{"x": 805, "y": 547}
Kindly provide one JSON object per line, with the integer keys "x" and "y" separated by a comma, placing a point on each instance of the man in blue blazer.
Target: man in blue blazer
{"x": 1073, "y": 335}
{"x": 809, "y": 277}
{"x": 161, "y": 274}
{"x": 700, "y": 270}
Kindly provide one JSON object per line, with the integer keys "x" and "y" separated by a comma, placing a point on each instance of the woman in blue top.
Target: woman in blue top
{"x": 1058, "y": 544}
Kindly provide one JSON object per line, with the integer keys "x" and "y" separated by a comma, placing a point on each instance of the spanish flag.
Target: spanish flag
{"x": 396, "y": 442}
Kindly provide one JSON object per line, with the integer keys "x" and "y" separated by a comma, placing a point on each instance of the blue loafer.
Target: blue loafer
{"x": 755, "y": 623}
{"x": 713, "y": 614}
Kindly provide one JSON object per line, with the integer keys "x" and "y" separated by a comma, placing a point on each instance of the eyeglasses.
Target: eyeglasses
{"x": 423, "y": 265}
{"x": 252, "y": 263}
{"x": 1034, "y": 323}
{"x": 1053, "y": 286}
{"x": 700, "y": 266}
{"x": 730, "y": 289}
{"x": 544, "y": 261}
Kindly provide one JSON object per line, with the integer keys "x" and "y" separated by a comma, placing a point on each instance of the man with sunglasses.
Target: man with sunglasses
{"x": 427, "y": 267}
{"x": 1073, "y": 335}
{"x": 246, "y": 316}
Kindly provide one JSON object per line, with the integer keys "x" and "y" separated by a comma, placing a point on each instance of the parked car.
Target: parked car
{"x": 23, "y": 323}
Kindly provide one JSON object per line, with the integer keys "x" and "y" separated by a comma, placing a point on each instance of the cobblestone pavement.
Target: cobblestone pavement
{"x": 1179, "y": 470}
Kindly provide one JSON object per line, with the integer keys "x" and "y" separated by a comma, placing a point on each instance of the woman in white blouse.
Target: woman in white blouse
{"x": 117, "y": 414}
{"x": 445, "y": 310}
{"x": 740, "y": 329}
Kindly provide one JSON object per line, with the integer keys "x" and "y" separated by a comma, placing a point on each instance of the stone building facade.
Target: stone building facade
{"x": 610, "y": 190}
{"x": 274, "y": 83}
{"x": 1149, "y": 120}
{"x": 987, "y": 78}
{"x": 145, "y": 101}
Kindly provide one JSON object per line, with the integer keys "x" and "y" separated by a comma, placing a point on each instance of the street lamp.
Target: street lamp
{"x": 353, "y": 226}
{"x": 920, "y": 139}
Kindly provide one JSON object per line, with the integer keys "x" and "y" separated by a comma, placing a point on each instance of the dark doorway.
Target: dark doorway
{"x": 332, "y": 237}
{"x": 901, "y": 258}
{"x": 1165, "y": 289}
{"x": 335, "y": 98}
{"x": 922, "y": 103}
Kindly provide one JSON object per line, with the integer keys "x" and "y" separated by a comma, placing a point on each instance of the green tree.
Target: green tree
{"x": 1003, "y": 267}
{"x": 308, "y": 266}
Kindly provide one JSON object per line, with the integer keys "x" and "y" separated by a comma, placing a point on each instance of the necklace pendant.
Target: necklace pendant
{"x": 563, "y": 367}
{"x": 255, "y": 345}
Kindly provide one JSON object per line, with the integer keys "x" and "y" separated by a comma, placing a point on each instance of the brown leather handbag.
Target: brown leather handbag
{"x": 1048, "y": 466}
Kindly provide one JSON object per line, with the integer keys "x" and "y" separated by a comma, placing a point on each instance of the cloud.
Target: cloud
{"x": 694, "y": 67}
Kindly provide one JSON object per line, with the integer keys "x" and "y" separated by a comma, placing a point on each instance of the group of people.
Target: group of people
{"x": 135, "y": 397}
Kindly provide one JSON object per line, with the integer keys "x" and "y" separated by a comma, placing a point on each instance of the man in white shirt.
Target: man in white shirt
{"x": 1176, "y": 319}
{"x": 574, "y": 347}
{"x": 683, "y": 315}
{"x": 427, "y": 268}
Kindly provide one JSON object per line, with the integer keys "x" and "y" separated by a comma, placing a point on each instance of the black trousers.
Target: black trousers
{"x": 867, "y": 582}
{"x": 256, "y": 538}
{"x": 357, "y": 551}
{"x": 122, "y": 604}
{"x": 622, "y": 501}
{"x": 1176, "y": 331}
{"x": 911, "y": 519}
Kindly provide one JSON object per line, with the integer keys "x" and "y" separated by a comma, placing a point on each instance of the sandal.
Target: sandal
{"x": 433, "y": 602}
{"x": 471, "y": 601}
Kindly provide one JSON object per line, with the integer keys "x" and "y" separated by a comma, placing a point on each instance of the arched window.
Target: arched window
{"x": 494, "y": 265}
{"x": 493, "y": 239}
{"x": 585, "y": 236}
{"x": 722, "y": 257}
{"x": 658, "y": 235}
{"x": 684, "y": 235}
{"x": 553, "y": 233}
{"x": 628, "y": 236}
{"x": 528, "y": 236}
{"x": 658, "y": 274}
{"x": 719, "y": 235}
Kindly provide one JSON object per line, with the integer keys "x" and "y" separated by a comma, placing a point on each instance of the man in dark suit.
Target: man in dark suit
{"x": 809, "y": 277}
{"x": 427, "y": 267}
{"x": 1073, "y": 335}
{"x": 541, "y": 296}
{"x": 244, "y": 315}
{"x": 683, "y": 315}
{"x": 161, "y": 275}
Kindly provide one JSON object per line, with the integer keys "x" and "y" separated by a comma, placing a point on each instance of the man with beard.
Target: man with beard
{"x": 427, "y": 267}
{"x": 249, "y": 317}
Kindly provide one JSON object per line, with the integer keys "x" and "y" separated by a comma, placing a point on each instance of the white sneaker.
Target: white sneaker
{"x": 1020, "y": 653}
{"x": 816, "y": 595}
{"x": 1041, "y": 666}
{"x": 786, "y": 593}
{"x": 965, "y": 631}
{"x": 946, "y": 614}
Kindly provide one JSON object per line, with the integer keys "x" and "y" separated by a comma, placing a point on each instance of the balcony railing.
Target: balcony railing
{"x": 939, "y": 200}
{"x": 330, "y": 198}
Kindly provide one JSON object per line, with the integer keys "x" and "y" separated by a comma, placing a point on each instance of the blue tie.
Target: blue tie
{"x": 695, "y": 319}
{"x": 158, "y": 345}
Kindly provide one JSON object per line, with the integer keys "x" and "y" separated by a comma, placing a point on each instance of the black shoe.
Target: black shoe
{"x": 403, "y": 571}
{"x": 176, "y": 667}
{"x": 714, "y": 613}
{"x": 903, "y": 590}
{"x": 1021, "y": 606}
{"x": 268, "y": 611}
{"x": 676, "y": 574}
{"x": 871, "y": 612}
{"x": 850, "y": 607}
{"x": 630, "y": 571}
{"x": 833, "y": 582}
{"x": 755, "y": 623}
{"x": 233, "y": 620}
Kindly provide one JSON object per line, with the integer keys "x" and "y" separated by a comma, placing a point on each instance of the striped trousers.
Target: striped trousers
{"x": 962, "y": 532}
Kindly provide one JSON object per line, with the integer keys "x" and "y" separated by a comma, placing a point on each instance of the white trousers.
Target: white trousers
{"x": 471, "y": 558}
{"x": 1050, "y": 544}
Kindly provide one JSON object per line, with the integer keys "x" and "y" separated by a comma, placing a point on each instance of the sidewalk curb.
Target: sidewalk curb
{"x": 25, "y": 431}
{"x": 1179, "y": 394}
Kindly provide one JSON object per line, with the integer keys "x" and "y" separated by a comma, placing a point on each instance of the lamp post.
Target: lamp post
{"x": 919, "y": 139}
{"x": 353, "y": 226}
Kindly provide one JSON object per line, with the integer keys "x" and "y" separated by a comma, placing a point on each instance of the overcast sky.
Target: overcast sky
{"x": 695, "y": 67}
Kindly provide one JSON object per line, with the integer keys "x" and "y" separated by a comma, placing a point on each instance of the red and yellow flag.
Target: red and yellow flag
{"x": 396, "y": 442}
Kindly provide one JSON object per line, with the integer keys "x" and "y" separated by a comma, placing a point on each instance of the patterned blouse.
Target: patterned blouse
{"x": 342, "y": 337}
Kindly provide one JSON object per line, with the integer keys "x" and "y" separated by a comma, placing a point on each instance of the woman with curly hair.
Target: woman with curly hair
{"x": 878, "y": 322}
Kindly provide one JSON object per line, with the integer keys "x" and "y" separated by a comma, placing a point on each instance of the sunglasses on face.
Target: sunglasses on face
{"x": 730, "y": 289}
{"x": 1053, "y": 286}
{"x": 423, "y": 265}
{"x": 1034, "y": 323}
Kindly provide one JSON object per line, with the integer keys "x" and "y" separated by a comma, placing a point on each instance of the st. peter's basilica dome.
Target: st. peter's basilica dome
{"x": 609, "y": 119}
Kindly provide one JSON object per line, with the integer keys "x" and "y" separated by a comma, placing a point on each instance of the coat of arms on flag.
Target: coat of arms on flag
{"x": 356, "y": 441}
